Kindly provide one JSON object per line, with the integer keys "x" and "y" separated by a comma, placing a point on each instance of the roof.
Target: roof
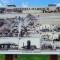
{"x": 52, "y": 5}
{"x": 11, "y": 5}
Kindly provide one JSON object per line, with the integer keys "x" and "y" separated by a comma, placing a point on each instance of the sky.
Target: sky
{"x": 29, "y": 3}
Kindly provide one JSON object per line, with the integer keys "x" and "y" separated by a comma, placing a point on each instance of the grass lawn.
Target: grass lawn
{"x": 58, "y": 57}
{"x": 29, "y": 57}
{"x": 32, "y": 57}
{"x": 2, "y": 57}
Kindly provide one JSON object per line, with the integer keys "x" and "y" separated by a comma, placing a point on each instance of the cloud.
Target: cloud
{"x": 5, "y": 2}
{"x": 58, "y": 5}
{"x": 25, "y": 4}
{"x": 1, "y": 5}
